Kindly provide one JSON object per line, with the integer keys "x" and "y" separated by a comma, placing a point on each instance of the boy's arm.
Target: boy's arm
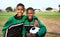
{"x": 24, "y": 31}
{"x": 6, "y": 25}
{"x": 42, "y": 30}
{"x": 38, "y": 23}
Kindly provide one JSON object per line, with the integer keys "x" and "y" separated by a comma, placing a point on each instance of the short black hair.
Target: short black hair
{"x": 30, "y": 8}
{"x": 20, "y": 4}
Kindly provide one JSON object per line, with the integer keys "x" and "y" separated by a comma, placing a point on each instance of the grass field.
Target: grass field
{"x": 41, "y": 15}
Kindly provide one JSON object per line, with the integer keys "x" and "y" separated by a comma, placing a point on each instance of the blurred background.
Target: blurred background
{"x": 48, "y": 11}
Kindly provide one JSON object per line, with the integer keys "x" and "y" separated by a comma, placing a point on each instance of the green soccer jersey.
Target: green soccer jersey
{"x": 12, "y": 20}
{"x": 31, "y": 22}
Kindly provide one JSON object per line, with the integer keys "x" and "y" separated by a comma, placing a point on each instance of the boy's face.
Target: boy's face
{"x": 30, "y": 14}
{"x": 19, "y": 10}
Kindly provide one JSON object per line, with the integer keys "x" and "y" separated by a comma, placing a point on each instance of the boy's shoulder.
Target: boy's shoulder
{"x": 11, "y": 18}
{"x": 34, "y": 16}
{"x": 24, "y": 15}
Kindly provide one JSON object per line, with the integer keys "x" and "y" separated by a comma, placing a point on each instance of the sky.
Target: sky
{"x": 36, "y": 4}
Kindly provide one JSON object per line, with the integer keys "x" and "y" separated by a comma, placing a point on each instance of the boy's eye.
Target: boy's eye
{"x": 18, "y": 9}
{"x": 30, "y": 13}
{"x": 21, "y": 9}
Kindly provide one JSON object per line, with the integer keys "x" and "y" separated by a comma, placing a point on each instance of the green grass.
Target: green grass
{"x": 5, "y": 16}
{"x": 48, "y": 15}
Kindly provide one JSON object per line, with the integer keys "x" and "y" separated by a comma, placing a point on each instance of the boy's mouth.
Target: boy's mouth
{"x": 30, "y": 19}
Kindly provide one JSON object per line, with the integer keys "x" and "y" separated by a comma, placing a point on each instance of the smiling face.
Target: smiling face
{"x": 30, "y": 14}
{"x": 20, "y": 10}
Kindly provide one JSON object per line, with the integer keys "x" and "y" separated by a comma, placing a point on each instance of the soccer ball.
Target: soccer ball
{"x": 34, "y": 30}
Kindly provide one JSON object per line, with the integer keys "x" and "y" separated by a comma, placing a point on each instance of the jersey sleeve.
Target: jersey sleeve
{"x": 24, "y": 31}
{"x": 42, "y": 30}
{"x": 6, "y": 25}
{"x": 35, "y": 18}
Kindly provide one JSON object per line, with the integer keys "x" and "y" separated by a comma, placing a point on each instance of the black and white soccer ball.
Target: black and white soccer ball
{"x": 34, "y": 30}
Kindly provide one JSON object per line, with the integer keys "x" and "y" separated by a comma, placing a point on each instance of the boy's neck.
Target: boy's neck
{"x": 18, "y": 17}
{"x": 30, "y": 19}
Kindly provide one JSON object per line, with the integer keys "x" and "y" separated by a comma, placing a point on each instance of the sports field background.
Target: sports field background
{"x": 50, "y": 19}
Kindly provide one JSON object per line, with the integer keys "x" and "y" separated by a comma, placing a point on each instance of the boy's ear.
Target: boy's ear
{"x": 24, "y": 10}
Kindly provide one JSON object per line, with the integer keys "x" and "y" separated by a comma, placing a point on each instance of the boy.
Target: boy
{"x": 30, "y": 22}
{"x": 14, "y": 20}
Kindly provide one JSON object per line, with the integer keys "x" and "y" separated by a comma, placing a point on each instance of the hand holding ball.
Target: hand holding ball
{"x": 34, "y": 30}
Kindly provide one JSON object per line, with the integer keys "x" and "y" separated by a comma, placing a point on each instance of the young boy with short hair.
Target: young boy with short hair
{"x": 30, "y": 22}
{"x": 14, "y": 20}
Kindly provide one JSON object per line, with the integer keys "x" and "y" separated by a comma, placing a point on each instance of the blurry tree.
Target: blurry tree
{"x": 9, "y": 9}
{"x": 59, "y": 8}
{"x": 14, "y": 9}
{"x": 0, "y": 10}
{"x": 49, "y": 9}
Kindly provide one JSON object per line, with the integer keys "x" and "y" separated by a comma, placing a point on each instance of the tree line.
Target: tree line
{"x": 10, "y": 9}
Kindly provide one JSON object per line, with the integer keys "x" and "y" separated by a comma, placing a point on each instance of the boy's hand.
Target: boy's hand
{"x": 36, "y": 23}
{"x": 23, "y": 36}
{"x": 30, "y": 35}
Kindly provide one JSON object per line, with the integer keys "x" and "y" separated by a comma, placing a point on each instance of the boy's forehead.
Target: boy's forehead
{"x": 30, "y": 11}
{"x": 20, "y": 7}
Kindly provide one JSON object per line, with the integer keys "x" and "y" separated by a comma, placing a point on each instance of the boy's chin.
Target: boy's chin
{"x": 29, "y": 18}
{"x": 19, "y": 14}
